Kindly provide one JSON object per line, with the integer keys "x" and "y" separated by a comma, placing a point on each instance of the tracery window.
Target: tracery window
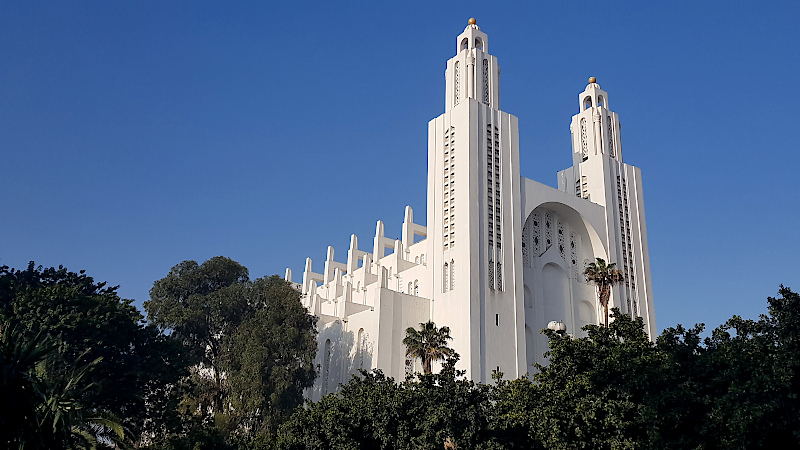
{"x": 326, "y": 365}
{"x": 458, "y": 82}
{"x": 452, "y": 274}
{"x": 499, "y": 276}
{"x": 548, "y": 230}
{"x": 610, "y": 138}
{"x": 360, "y": 348}
{"x": 573, "y": 249}
{"x": 526, "y": 260}
{"x": 446, "y": 277}
{"x": 449, "y": 200}
{"x": 486, "y": 81}
{"x": 491, "y": 267}
{"x": 584, "y": 144}
{"x": 561, "y": 249}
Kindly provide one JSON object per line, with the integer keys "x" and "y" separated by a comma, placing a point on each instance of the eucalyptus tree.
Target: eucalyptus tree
{"x": 253, "y": 344}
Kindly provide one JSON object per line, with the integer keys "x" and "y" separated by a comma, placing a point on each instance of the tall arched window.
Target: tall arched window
{"x": 584, "y": 144}
{"x": 452, "y": 274}
{"x": 326, "y": 365}
{"x": 610, "y": 138}
{"x": 416, "y": 288}
{"x": 361, "y": 348}
{"x": 464, "y": 43}
{"x": 446, "y": 275}
{"x": 587, "y": 102}
{"x": 458, "y": 82}
{"x": 478, "y": 43}
{"x": 600, "y": 101}
{"x": 486, "y": 81}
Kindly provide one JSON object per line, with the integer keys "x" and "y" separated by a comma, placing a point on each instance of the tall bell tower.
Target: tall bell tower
{"x": 474, "y": 206}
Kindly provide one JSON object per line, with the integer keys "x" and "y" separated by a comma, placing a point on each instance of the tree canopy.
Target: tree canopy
{"x": 88, "y": 323}
{"x": 613, "y": 389}
{"x": 253, "y": 341}
{"x": 226, "y": 359}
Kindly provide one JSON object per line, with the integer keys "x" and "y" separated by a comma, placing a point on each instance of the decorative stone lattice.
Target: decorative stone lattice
{"x": 573, "y": 249}
{"x": 499, "y": 276}
{"x": 486, "y": 81}
{"x": 448, "y": 173}
{"x": 584, "y": 144}
{"x": 548, "y": 230}
{"x": 458, "y": 82}
{"x": 526, "y": 259}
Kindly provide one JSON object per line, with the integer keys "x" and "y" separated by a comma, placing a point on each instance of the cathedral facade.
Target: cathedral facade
{"x": 500, "y": 255}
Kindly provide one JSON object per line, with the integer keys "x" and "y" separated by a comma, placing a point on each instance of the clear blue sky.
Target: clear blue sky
{"x": 135, "y": 135}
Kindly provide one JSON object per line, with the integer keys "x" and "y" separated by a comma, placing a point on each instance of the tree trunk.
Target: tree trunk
{"x": 426, "y": 366}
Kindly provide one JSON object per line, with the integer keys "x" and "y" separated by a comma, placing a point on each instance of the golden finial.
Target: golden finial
{"x": 472, "y": 21}
{"x": 592, "y": 80}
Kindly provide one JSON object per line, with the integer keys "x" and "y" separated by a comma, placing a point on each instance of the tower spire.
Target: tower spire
{"x": 473, "y": 73}
{"x": 595, "y": 129}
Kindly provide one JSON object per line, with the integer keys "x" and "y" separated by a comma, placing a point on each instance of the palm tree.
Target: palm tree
{"x": 41, "y": 407}
{"x": 603, "y": 277}
{"x": 428, "y": 344}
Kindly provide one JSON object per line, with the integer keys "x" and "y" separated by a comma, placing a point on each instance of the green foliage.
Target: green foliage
{"x": 81, "y": 369}
{"x": 428, "y": 344}
{"x": 42, "y": 406}
{"x": 253, "y": 342}
{"x": 604, "y": 277}
{"x": 89, "y": 322}
{"x": 269, "y": 359}
{"x": 752, "y": 373}
{"x": 201, "y": 305}
{"x": 614, "y": 389}
{"x": 374, "y": 412}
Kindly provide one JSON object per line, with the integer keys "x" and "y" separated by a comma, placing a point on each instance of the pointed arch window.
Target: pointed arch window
{"x": 326, "y": 366}
{"x": 446, "y": 277}
{"x": 452, "y": 274}
{"x": 584, "y": 144}
{"x": 486, "y": 81}
{"x": 361, "y": 348}
{"x": 458, "y": 82}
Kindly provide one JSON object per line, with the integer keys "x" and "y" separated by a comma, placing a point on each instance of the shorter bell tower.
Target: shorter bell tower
{"x": 600, "y": 176}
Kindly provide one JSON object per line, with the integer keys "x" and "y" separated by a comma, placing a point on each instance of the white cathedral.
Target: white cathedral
{"x": 501, "y": 255}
